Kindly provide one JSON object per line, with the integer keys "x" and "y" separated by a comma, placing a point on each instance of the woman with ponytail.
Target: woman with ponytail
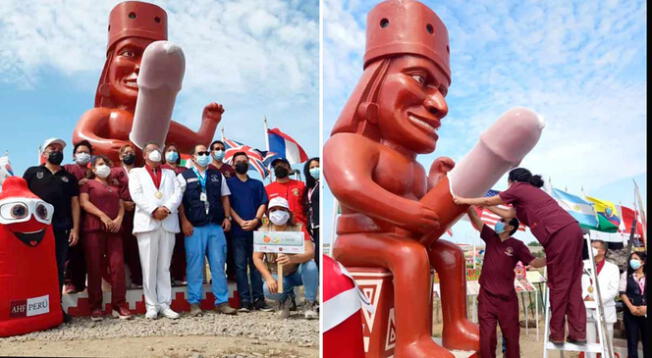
{"x": 562, "y": 239}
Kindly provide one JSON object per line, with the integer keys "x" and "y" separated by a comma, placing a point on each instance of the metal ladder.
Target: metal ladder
{"x": 604, "y": 346}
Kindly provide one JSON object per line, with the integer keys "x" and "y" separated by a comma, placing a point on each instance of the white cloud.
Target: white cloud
{"x": 232, "y": 48}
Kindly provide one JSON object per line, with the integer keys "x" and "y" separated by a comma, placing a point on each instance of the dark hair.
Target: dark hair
{"x": 210, "y": 147}
{"x": 602, "y": 244}
{"x": 239, "y": 153}
{"x": 84, "y": 143}
{"x": 642, "y": 256}
{"x": 106, "y": 160}
{"x": 525, "y": 176}
{"x": 515, "y": 223}
{"x": 310, "y": 181}
{"x": 165, "y": 150}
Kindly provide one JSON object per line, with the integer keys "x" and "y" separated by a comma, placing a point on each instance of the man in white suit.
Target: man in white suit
{"x": 608, "y": 279}
{"x": 157, "y": 196}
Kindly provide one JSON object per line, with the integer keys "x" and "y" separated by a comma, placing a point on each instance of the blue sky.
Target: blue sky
{"x": 580, "y": 64}
{"x": 257, "y": 58}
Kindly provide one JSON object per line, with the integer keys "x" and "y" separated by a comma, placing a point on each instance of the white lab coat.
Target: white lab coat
{"x": 608, "y": 279}
{"x": 142, "y": 190}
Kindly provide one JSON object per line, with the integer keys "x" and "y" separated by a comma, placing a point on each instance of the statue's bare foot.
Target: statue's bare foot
{"x": 463, "y": 335}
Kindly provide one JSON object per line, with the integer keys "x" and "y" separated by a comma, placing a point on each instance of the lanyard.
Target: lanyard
{"x": 202, "y": 179}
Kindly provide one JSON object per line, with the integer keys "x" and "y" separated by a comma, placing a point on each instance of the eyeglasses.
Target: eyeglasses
{"x": 18, "y": 210}
{"x": 205, "y": 152}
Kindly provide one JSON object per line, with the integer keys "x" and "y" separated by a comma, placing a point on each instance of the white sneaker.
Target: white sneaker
{"x": 169, "y": 313}
{"x": 151, "y": 314}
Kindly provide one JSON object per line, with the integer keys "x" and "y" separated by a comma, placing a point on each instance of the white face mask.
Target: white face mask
{"x": 279, "y": 217}
{"x": 154, "y": 156}
{"x": 82, "y": 158}
{"x": 102, "y": 171}
{"x": 595, "y": 251}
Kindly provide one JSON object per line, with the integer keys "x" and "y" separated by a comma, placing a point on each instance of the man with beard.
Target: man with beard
{"x": 52, "y": 183}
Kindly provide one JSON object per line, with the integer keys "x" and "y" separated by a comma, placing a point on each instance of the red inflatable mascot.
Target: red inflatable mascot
{"x": 29, "y": 295}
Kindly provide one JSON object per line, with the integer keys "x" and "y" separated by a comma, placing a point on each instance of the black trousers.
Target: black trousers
{"x": 315, "y": 239}
{"x": 636, "y": 330}
{"x": 61, "y": 250}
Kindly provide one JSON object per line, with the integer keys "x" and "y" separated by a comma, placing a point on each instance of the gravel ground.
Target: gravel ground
{"x": 255, "y": 334}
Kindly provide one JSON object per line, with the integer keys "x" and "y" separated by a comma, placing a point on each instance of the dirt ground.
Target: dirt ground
{"x": 166, "y": 346}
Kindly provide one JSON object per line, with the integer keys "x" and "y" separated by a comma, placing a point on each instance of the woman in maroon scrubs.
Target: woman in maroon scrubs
{"x": 562, "y": 239}
{"x": 104, "y": 213}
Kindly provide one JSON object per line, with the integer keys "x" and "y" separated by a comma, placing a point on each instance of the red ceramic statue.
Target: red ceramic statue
{"x": 133, "y": 25}
{"x": 370, "y": 165}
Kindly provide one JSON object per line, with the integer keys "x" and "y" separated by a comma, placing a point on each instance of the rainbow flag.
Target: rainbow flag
{"x": 608, "y": 214}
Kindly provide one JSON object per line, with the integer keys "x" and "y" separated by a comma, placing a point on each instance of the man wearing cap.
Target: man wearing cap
{"x": 248, "y": 203}
{"x": 289, "y": 189}
{"x": 205, "y": 215}
{"x": 157, "y": 196}
{"x": 52, "y": 183}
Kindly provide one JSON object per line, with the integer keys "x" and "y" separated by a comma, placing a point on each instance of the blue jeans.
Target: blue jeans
{"x": 243, "y": 250}
{"x": 206, "y": 241}
{"x": 306, "y": 275}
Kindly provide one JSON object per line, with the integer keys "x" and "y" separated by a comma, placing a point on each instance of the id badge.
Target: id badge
{"x": 203, "y": 197}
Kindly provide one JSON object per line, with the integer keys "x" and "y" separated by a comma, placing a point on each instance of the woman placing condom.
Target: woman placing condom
{"x": 561, "y": 237}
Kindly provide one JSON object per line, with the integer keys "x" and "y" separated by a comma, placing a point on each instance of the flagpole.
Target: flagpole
{"x": 266, "y": 143}
{"x": 222, "y": 134}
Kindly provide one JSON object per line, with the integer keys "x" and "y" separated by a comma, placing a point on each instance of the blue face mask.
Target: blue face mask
{"x": 499, "y": 227}
{"x": 634, "y": 264}
{"x": 203, "y": 160}
{"x": 171, "y": 157}
{"x": 218, "y": 154}
{"x": 314, "y": 172}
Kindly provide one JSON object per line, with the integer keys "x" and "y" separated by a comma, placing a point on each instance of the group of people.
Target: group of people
{"x": 562, "y": 239}
{"x": 163, "y": 220}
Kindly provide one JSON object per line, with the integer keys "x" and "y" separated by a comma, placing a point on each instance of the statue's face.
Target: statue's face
{"x": 124, "y": 67}
{"x": 411, "y": 103}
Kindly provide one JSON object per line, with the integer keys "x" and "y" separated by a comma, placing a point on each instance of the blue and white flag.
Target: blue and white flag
{"x": 579, "y": 208}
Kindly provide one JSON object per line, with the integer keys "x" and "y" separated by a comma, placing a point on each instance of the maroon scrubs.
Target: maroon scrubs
{"x": 129, "y": 243}
{"x": 497, "y": 301}
{"x": 75, "y": 273}
{"x": 562, "y": 239}
{"x": 178, "y": 263}
{"x": 100, "y": 242}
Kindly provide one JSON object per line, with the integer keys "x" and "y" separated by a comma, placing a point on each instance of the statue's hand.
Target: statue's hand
{"x": 213, "y": 112}
{"x": 438, "y": 170}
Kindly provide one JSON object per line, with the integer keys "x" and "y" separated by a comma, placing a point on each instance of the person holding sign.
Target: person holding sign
{"x": 497, "y": 301}
{"x": 205, "y": 216}
{"x": 275, "y": 237}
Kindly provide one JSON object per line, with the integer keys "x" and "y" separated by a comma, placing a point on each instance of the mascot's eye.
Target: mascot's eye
{"x": 41, "y": 211}
{"x": 420, "y": 79}
{"x": 19, "y": 211}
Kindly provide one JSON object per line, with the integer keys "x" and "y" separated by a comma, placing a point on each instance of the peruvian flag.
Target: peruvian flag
{"x": 285, "y": 146}
{"x": 628, "y": 217}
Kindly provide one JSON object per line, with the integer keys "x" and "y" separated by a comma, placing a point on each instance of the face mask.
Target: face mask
{"x": 154, "y": 156}
{"x": 171, "y": 157}
{"x": 279, "y": 217}
{"x": 241, "y": 167}
{"x": 499, "y": 227}
{"x": 634, "y": 264}
{"x": 595, "y": 251}
{"x": 203, "y": 160}
{"x": 218, "y": 154}
{"x": 314, "y": 172}
{"x": 55, "y": 157}
{"x": 129, "y": 159}
{"x": 82, "y": 158}
{"x": 281, "y": 172}
{"x": 102, "y": 171}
